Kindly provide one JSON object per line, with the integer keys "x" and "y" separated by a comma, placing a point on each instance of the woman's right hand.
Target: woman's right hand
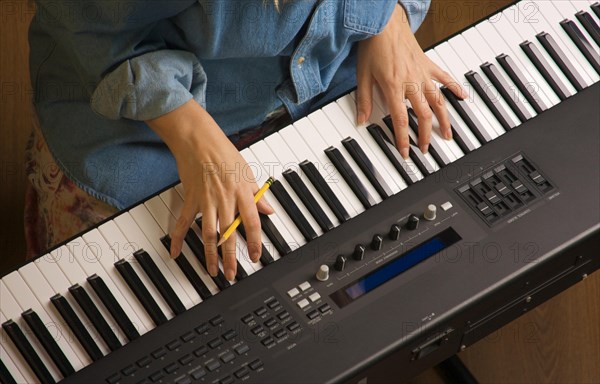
{"x": 217, "y": 182}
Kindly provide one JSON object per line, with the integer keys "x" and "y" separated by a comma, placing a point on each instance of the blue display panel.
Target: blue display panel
{"x": 395, "y": 267}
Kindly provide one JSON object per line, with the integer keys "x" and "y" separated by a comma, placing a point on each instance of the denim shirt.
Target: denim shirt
{"x": 100, "y": 68}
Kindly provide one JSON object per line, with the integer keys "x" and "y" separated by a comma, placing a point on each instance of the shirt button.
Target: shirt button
{"x": 301, "y": 60}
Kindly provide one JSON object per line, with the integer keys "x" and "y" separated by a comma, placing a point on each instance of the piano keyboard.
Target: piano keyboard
{"x": 115, "y": 283}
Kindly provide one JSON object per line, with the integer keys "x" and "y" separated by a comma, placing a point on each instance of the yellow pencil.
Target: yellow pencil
{"x": 238, "y": 220}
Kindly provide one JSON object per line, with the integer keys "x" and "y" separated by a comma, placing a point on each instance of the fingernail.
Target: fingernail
{"x": 212, "y": 269}
{"x": 404, "y": 153}
{"x": 361, "y": 118}
{"x": 229, "y": 274}
{"x": 448, "y": 135}
{"x": 425, "y": 148}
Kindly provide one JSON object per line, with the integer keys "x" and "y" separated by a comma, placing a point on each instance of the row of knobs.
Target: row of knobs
{"x": 377, "y": 242}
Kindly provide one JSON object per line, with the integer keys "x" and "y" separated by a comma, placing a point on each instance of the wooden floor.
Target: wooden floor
{"x": 559, "y": 342}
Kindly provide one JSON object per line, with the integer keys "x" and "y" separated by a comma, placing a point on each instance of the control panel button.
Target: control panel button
{"x": 293, "y": 292}
{"x": 322, "y": 273}
{"x": 413, "y": 222}
{"x": 258, "y": 329}
{"x": 430, "y": 212}
{"x": 314, "y": 297}
{"x": 260, "y": 311}
{"x": 283, "y": 315}
{"x": 446, "y": 206}
{"x": 241, "y": 372}
{"x": 377, "y": 242}
{"x": 293, "y": 326}
{"x": 240, "y": 350}
{"x": 312, "y": 314}
{"x": 324, "y": 308}
{"x": 270, "y": 322}
{"x": 394, "y": 234}
{"x": 254, "y": 365}
{"x": 268, "y": 341}
{"x": 340, "y": 263}
{"x": 280, "y": 333}
{"x": 304, "y": 286}
{"x": 272, "y": 303}
{"x": 247, "y": 319}
{"x": 303, "y": 303}
{"x": 359, "y": 252}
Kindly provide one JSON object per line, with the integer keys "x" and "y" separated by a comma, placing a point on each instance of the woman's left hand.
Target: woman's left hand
{"x": 396, "y": 63}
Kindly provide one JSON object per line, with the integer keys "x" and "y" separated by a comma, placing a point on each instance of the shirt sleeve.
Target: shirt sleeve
{"x": 416, "y": 10}
{"x": 117, "y": 50}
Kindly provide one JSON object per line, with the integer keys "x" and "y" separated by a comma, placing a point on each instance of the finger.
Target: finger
{"x": 399, "y": 115}
{"x": 251, "y": 220}
{"x": 188, "y": 213}
{"x": 228, "y": 248}
{"x": 364, "y": 97}
{"x": 209, "y": 235}
{"x": 438, "y": 104}
{"x": 448, "y": 81}
{"x": 264, "y": 207}
{"x": 425, "y": 118}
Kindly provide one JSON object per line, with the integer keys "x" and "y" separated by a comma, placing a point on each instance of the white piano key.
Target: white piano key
{"x": 507, "y": 31}
{"x": 525, "y": 32}
{"x": 7, "y": 346}
{"x": 333, "y": 138}
{"x": 90, "y": 265}
{"x": 166, "y": 220}
{"x": 283, "y": 151}
{"x": 124, "y": 249}
{"x": 49, "y": 267}
{"x": 348, "y": 126}
{"x": 167, "y": 266}
{"x": 309, "y": 146}
{"x": 495, "y": 40}
{"x": 7, "y": 356}
{"x": 99, "y": 251}
{"x": 280, "y": 218}
{"x": 174, "y": 202}
{"x": 273, "y": 166}
{"x": 454, "y": 65}
{"x": 31, "y": 291}
{"x": 431, "y": 164}
{"x": 485, "y": 53}
{"x": 471, "y": 62}
{"x": 549, "y": 21}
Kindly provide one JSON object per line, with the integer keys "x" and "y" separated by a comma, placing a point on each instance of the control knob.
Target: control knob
{"x": 323, "y": 273}
{"x": 430, "y": 212}
{"x": 413, "y": 222}
{"x": 340, "y": 263}
{"x": 376, "y": 243}
{"x": 394, "y": 232}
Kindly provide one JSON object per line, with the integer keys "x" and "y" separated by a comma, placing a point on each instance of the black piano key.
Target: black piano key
{"x": 189, "y": 272}
{"x": 265, "y": 256}
{"x": 492, "y": 72}
{"x": 29, "y": 354}
{"x": 79, "y": 330}
{"x": 497, "y": 109}
{"x": 590, "y": 25}
{"x": 545, "y": 69}
{"x": 92, "y": 312}
{"x": 308, "y": 199}
{"x": 521, "y": 82}
{"x": 197, "y": 247}
{"x": 469, "y": 117}
{"x": 365, "y": 164}
{"x": 596, "y": 8}
{"x": 140, "y": 291}
{"x": 113, "y": 306}
{"x": 439, "y": 156}
{"x": 582, "y": 43}
{"x": 325, "y": 191}
{"x": 293, "y": 211}
{"x": 240, "y": 272}
{"x": 419, "y": 159}
{"x": 273, "y": 234}
{"x": 5, "y": 376}
{"x": 48, "y": 342}
{"x": 390, "y": 151}
{"x": 351, "y": 178}
{"x": 159, "y": 281}
{"x": 561, "y": 60}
